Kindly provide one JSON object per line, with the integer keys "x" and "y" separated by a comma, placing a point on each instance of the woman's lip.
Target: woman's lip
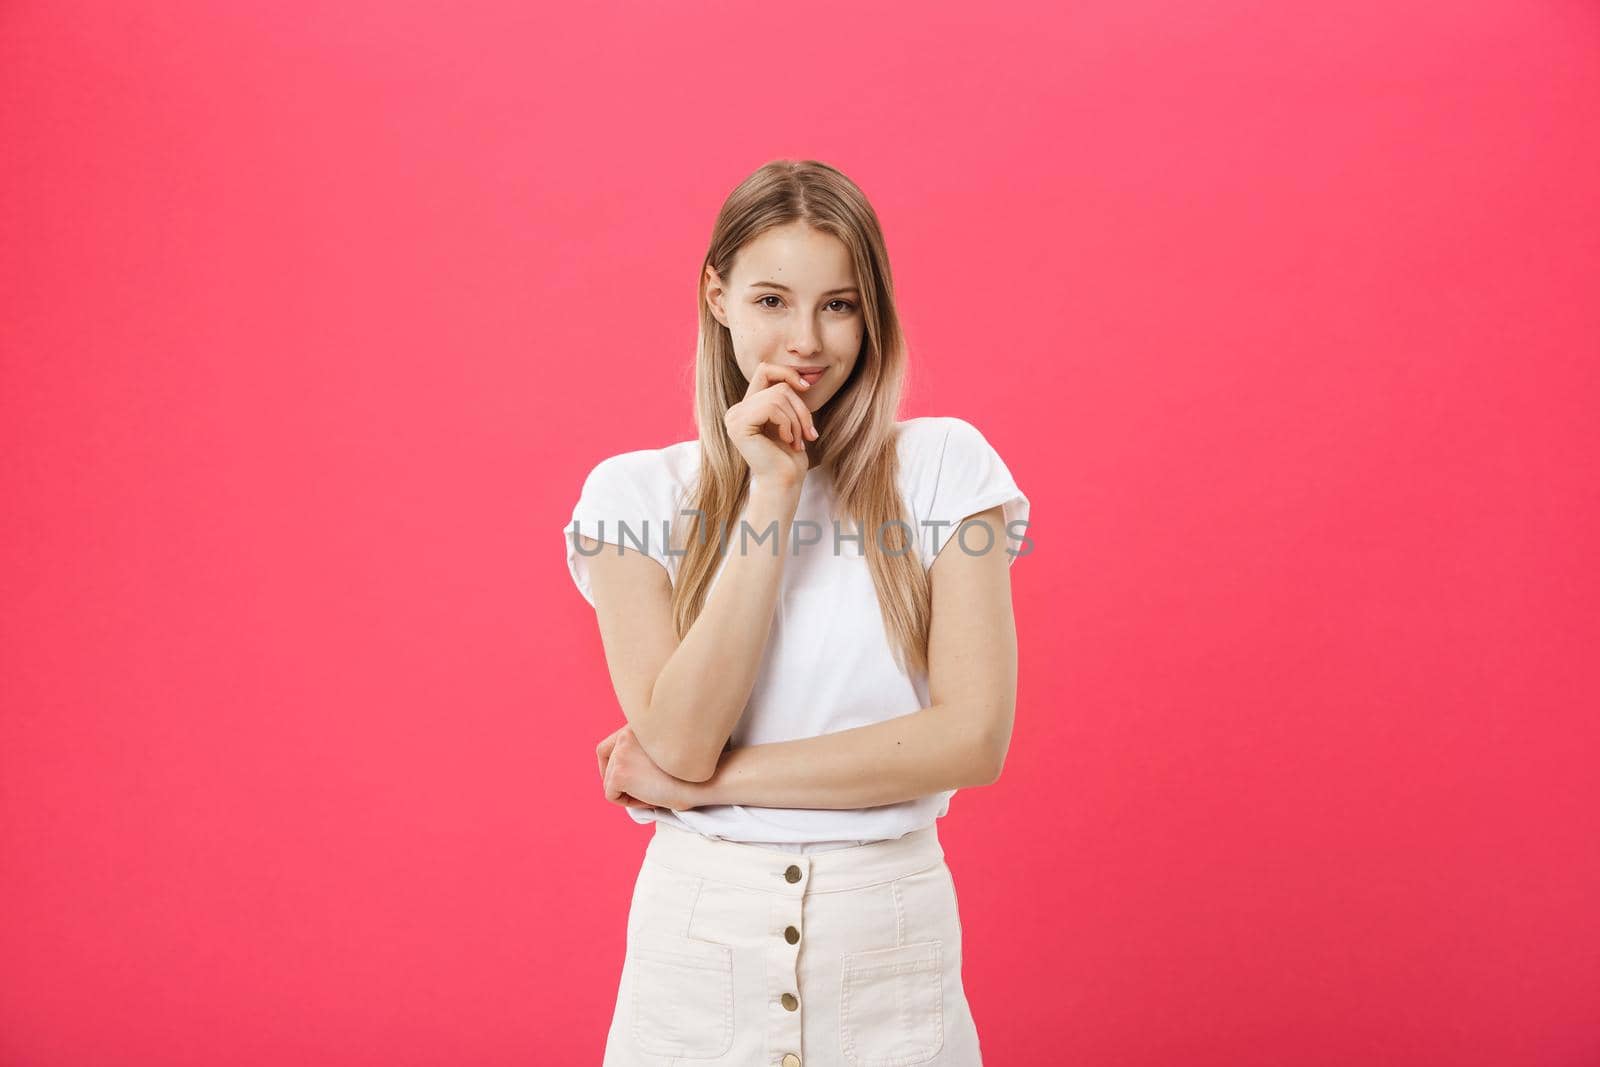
{"x": 811, "y": 375}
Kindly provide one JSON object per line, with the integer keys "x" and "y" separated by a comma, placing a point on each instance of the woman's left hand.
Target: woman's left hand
{"x": 630, "y": 772}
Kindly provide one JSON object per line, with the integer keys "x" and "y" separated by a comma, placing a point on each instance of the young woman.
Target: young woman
{"x": 810, "y": 658}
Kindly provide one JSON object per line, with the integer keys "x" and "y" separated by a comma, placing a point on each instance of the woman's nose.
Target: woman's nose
{"x": 804, "y": 342}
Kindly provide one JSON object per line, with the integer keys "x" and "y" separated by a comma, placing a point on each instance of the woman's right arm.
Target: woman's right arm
{"x": 683, "y": 699}
{"x": 689, "y": 695}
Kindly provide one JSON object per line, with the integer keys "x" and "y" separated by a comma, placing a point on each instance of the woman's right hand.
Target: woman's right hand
{"x": 771, "y": 425}
{"x": 603, "y": 752}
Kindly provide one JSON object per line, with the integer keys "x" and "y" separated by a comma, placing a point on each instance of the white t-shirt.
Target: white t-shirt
{"x": 828, "y": 664}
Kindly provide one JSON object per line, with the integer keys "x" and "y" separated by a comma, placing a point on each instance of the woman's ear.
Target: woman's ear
{"x": 714, "y": 294}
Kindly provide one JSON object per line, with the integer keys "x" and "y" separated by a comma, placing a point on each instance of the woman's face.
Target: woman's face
{"x": 791, "y": 299}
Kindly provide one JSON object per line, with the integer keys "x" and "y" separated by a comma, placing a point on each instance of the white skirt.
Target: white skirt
{"x": 753, "y": 955}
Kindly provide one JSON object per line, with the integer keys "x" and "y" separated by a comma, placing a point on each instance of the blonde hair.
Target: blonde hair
{"x": 857, "y": 425}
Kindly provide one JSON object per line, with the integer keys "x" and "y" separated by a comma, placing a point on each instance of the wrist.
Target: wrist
{"x": 775, "y": 486}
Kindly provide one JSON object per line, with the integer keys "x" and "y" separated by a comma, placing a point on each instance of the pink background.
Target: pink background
{"x": 313, "y": 317}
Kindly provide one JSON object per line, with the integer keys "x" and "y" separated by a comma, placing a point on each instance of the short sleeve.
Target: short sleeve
{"x": 972, "y": 478}
{"x": 626, "y": 500}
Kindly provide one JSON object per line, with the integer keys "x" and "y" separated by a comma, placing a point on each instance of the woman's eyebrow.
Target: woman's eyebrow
{"x": 785, "y": 288}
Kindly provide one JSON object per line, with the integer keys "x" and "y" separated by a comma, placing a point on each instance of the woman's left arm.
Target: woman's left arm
{"x": 958, "y": 741}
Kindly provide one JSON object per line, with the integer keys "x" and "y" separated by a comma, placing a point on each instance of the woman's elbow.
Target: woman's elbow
{"x": 696, "y": 773}
{"x": 996, "y": 765}
{"x": 999, "y": 742}
{"x": 689, "y": 766}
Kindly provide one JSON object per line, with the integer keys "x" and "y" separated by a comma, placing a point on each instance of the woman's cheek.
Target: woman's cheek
{"x": 846, "y": 332}
{"x": 747, "y": 341}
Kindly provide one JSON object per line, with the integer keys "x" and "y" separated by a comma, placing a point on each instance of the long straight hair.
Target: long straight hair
{"x": 857, "y": 426}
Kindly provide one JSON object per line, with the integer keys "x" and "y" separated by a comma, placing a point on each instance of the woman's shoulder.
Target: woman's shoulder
{"x": 951, "y": 471}
{"x": 924, "y": 441}
{"x": 923, "y": 426}
{"x": 645, "y": 474}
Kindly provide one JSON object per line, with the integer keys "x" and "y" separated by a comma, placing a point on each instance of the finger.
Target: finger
{"x": 779, "y": 415}
{"x": 787, "y": 375}
{"x": 803, "y": 413}
{"x": 797, "y": 431}
{"x": 792, "y": 386}
{"x": 760, "y": 379}
{"x": 768, "y": 374}
{"x": 790, "y": 423}
{"x": 603, "y": 752}
{"x": 789, "y": 402}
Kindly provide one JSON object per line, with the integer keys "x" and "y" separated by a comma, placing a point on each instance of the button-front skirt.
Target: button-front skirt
{"x": 742, "y": 954}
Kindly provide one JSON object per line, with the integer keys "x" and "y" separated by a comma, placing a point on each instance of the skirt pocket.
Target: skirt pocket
{"x": 682, "y": 995}
{"x": 891, "y": 1005}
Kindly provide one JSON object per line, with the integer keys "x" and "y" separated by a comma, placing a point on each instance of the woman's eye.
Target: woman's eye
{"x": 846, "y": 309}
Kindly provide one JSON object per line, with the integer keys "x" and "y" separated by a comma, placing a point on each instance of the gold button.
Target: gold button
{"x": 790, "y": 934}
{"x": 791, "y": 1060}
{"x": 789, "y": 1002}
{"x": 792, "y": 874}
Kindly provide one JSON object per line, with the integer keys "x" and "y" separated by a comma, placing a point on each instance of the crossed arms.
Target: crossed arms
{"x": 682, "y": 700}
